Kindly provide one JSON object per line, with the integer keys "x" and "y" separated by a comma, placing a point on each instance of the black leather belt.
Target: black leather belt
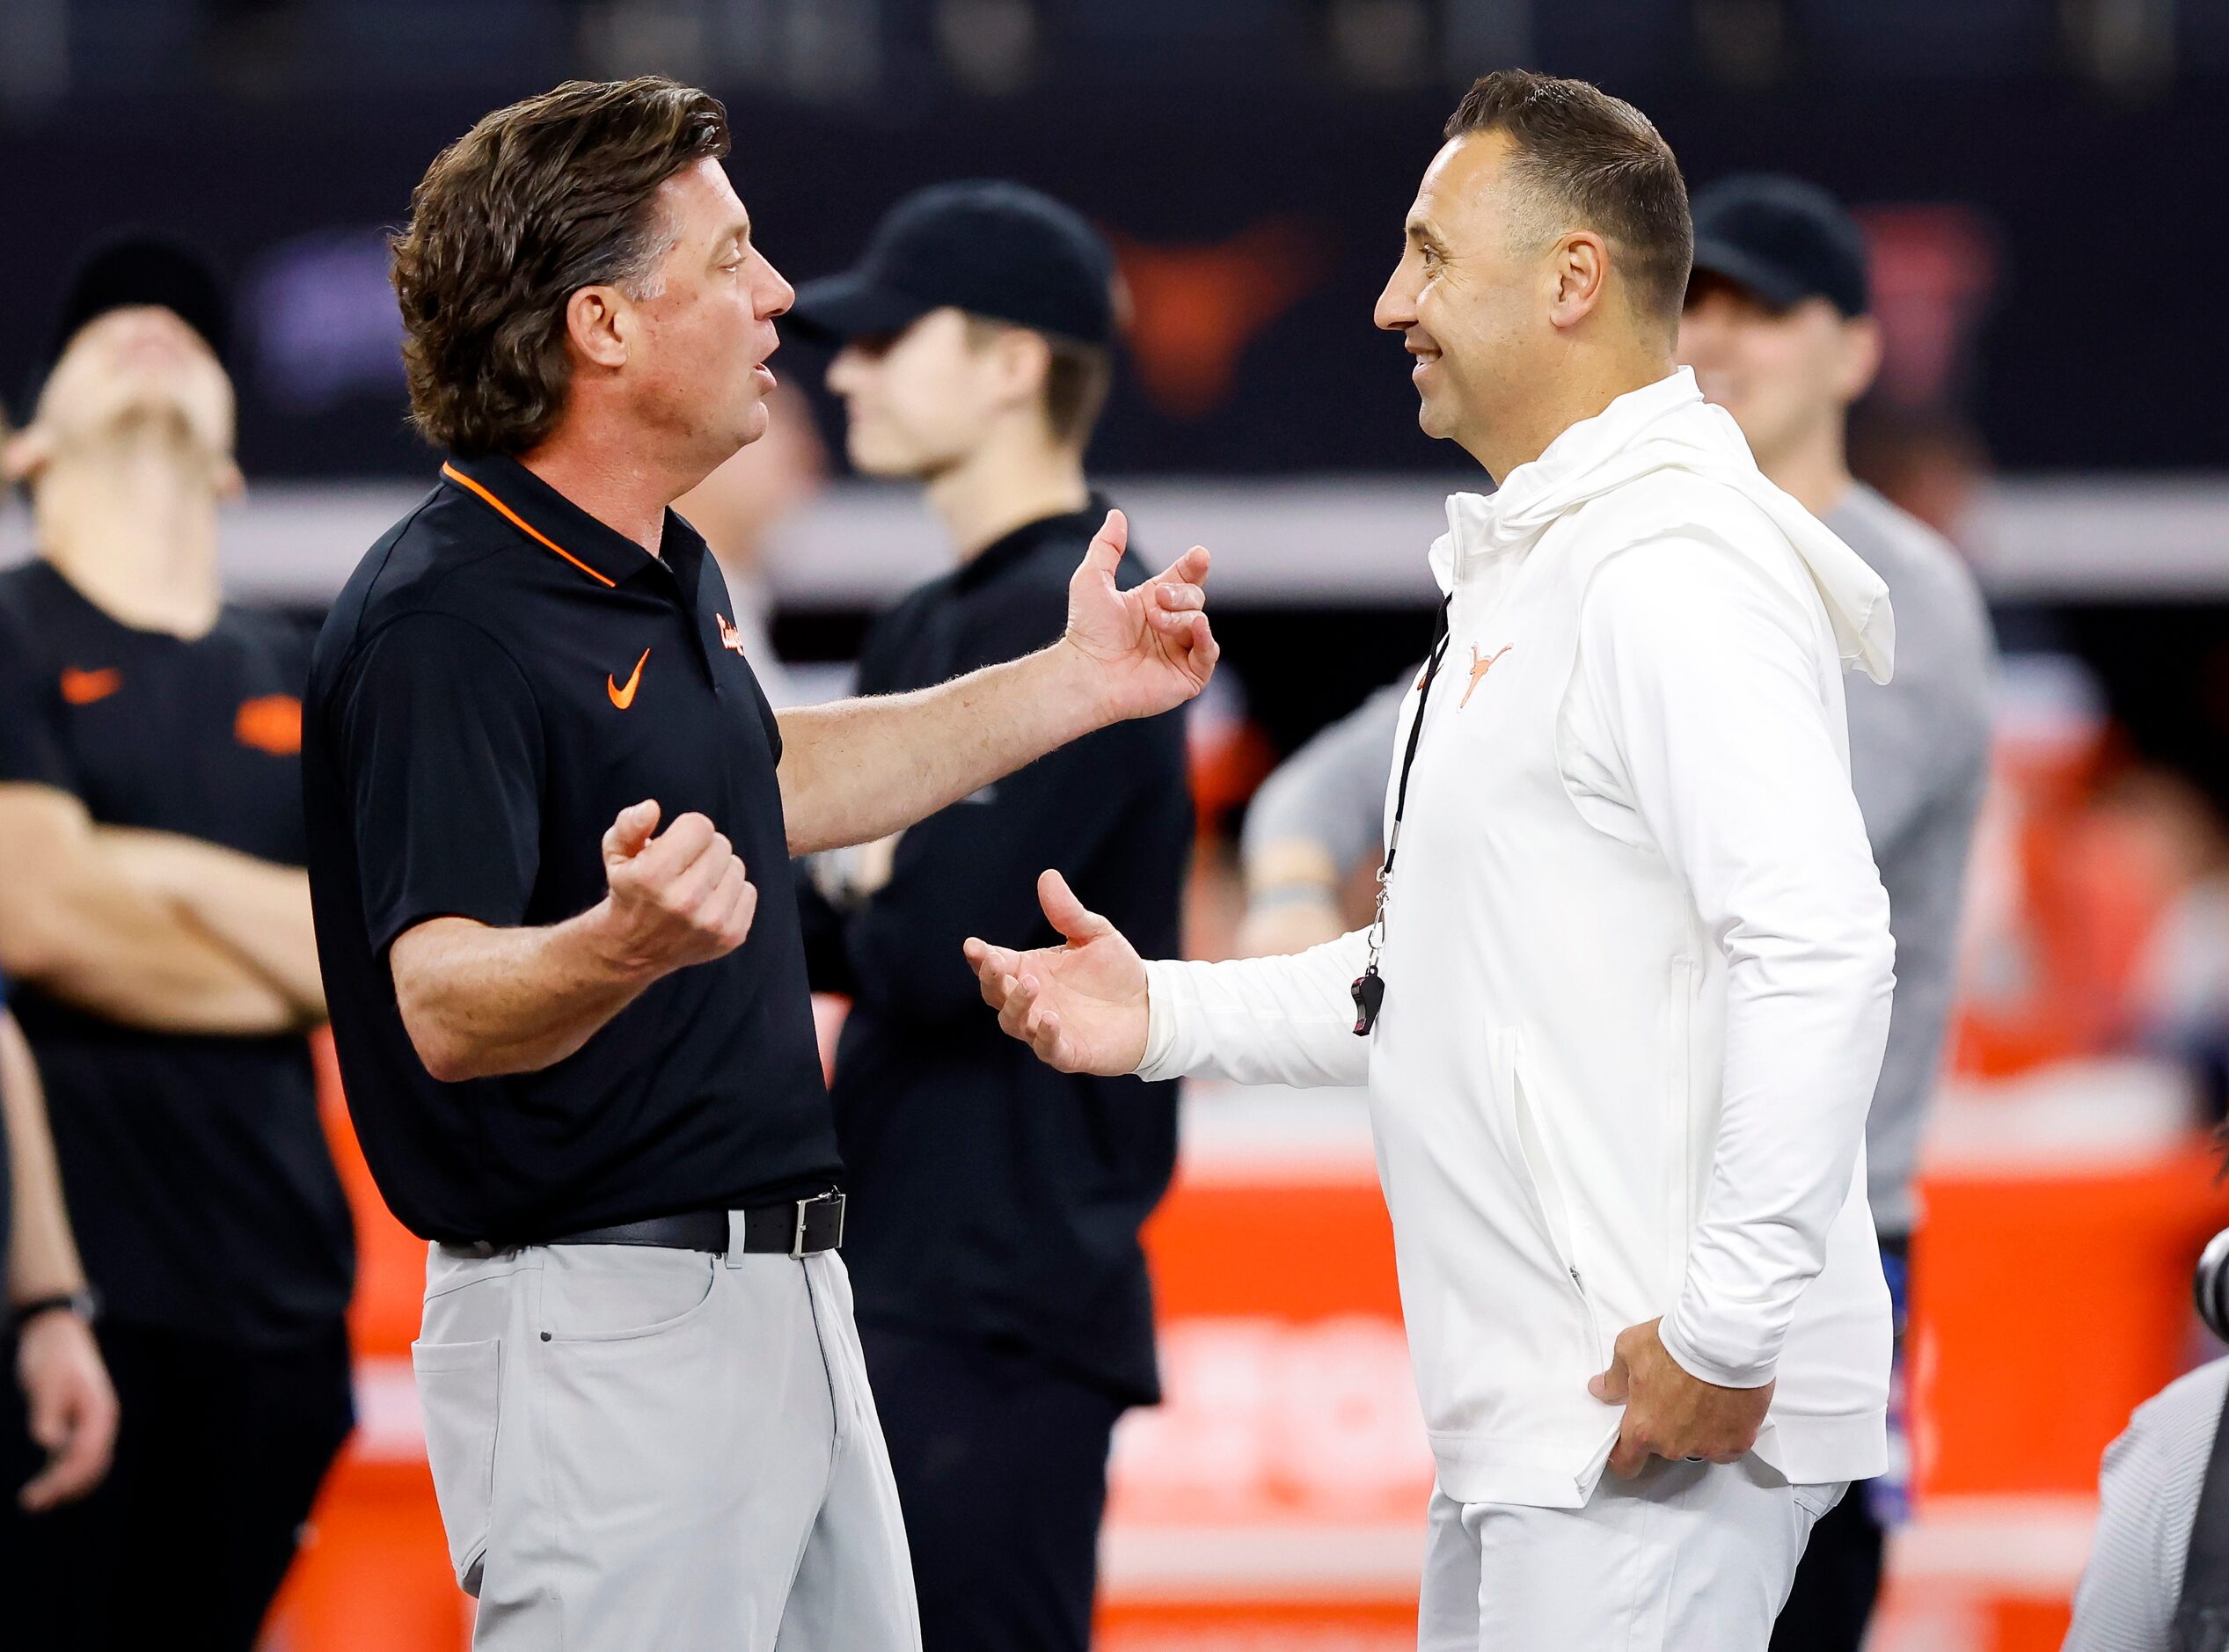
{"x": 799, "y": 1227}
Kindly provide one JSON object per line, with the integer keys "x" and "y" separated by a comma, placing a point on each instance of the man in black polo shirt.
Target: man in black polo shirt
{"x": 550, "y": 817}
{"x": 156, "y": 918}
{"x": 1007, "y": 1331}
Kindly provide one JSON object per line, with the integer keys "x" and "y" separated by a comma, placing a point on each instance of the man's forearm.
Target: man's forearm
{"x": 858, "y": 770}
{"x": 257, "y": 908}
{"x": 42, "y": 1257}
{"x": 1259, "y": 1020}
{"x": 1803, "y": 1038}
{"x": 479, "y": 1001}
{"x": 73, "y": 926}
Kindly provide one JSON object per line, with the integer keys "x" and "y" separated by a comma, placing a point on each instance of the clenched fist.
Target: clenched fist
{"x": 679, "y": 898}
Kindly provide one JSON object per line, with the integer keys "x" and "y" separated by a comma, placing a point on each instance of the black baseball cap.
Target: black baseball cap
{"x": 145, "y": 269}
{"x": 993, "y": 249}
{"x": 1784, "y": 240}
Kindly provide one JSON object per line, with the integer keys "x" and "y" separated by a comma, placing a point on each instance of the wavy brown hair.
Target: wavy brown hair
{"x": 537, "y": 200}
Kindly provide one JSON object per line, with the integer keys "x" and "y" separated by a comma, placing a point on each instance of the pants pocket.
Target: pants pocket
{"x": 1817, "y": 1502}
{"x": 459, "y": 1392}
{"x": 593, "y": 1294}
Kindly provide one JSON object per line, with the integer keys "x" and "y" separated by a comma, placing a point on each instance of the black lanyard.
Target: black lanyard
{"x": 1369, "y": 988}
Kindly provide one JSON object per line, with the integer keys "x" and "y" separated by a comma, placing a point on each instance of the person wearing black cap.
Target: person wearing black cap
{"x": 1006, "y": 1331}
{"x": 157, "y": 922}
{"x": 1778, "y": 331}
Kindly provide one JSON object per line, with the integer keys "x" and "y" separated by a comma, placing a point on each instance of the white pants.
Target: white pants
{"x": 639, "y": 1449}
{"x": 1686, "y": 1557}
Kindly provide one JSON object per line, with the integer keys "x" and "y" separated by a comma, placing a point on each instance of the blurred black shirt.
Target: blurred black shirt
{"x": 199, "y": 1182}
{"x": 993, "y": 1198}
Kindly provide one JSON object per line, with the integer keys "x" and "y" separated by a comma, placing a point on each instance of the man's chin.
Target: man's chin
{"x": 869, "y": 458}
{"x": 149, "y": 410}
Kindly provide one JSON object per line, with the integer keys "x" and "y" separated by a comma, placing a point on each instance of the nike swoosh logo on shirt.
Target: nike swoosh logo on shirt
{"x": 624, "y": 697}
{"x": 82, "y": 688}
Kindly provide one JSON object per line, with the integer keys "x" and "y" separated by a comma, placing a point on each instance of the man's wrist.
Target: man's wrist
{"x": 603, "y": 939}
{"x": 80, "y": 1304}
{"x": 1077, "y": 694}
{"x": 1269, "y": 897}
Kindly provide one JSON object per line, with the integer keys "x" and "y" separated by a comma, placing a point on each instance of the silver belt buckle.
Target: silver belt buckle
{"x": 797, "y": 1240}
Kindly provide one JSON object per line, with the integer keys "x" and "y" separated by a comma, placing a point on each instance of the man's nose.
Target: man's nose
{"x": 1396, "y": 308}
{"x": 780, "y": 295}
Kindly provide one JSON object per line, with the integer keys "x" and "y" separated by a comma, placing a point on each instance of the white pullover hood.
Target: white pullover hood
{"x": 1675, "y": 433}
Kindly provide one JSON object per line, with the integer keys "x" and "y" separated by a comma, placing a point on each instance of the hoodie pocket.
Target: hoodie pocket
{"x": 1540, "y": 1174}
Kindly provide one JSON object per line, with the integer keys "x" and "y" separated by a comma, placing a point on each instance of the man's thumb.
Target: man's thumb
{"x": 1105, "y": 553}
{"x": 1611, "y": 1386}
{"x": 1066, "y": 913}
{"x": 49, "y": 1420}
{"x": 631, "y": 829}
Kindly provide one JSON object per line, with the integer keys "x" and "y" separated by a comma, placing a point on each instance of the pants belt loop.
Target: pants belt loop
{"x": 734, "y": 1257}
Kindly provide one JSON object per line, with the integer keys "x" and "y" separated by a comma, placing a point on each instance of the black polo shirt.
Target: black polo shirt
{"x": 994, "y": 1199}
{"x": 500, "y": 678}
{"x": 199, "y": 1182}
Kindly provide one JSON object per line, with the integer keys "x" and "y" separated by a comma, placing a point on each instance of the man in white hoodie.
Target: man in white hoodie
{"x": 1624, "y": 1004}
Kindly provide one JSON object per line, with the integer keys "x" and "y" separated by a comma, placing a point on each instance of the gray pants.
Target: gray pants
{"x": 640, "y": 1447}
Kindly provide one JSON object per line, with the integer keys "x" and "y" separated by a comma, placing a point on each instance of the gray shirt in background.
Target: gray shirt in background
{"x": 2148, "y": 1503}
{"x": 1918, "y": 762}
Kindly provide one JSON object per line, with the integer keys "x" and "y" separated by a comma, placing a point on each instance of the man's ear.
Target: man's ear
{"x": 1024, "y": 361}
{"x": 25, "y": 454}
{"x": 598, "y": 321}
{"x": 1861, "y": 351}
{"x": 1579, "y": 264}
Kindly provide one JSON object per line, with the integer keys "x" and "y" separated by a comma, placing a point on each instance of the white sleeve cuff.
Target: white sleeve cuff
{"x": 1700, "y": 1366}
{"x": 1161, "y": 1013}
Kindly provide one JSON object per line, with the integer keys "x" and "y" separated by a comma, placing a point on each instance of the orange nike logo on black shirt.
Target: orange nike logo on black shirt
{"x": 82, "y": 688}
{"x": 624, "y": 697}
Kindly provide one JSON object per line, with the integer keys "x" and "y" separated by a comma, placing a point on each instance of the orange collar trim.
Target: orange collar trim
{"x": 519, "y": 522}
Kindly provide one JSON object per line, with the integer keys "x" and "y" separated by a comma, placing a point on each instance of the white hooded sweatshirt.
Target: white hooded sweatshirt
{"x": 1637, "y": 962}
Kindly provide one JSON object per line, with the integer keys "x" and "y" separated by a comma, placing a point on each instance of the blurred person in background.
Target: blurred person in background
{"x": 1636, "y": 961}
{"x": 1008, "y": 1328}
{"x": 157, "y": 922}
{"x": 551, "y": 823}
{"x": 67, "y": 1406}
{"x": 2158, "y": 1576}
{"x": 1312, "y": 824}
{"x": 740, "y": 506}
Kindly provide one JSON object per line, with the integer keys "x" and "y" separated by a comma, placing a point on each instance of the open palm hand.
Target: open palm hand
{"x": 1082, "y": 1005}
